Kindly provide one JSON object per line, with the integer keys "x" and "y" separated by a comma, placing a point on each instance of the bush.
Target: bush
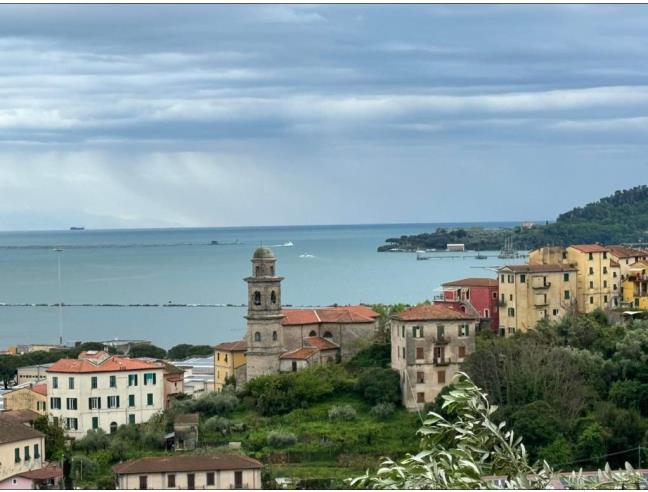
{"x": 378, "y": 385}
{"x": 375, "y": 355}
{"x": 382, "y": 410}
{"x": 280, "y": 439}
{"x": 215, "y": 403}
{"x": 147, "y": 350}
{"x": 342, "y": 413}
{"x": 218, "y": 424}
{"x": 92, "y": 441}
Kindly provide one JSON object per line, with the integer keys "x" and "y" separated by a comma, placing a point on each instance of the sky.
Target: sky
{"x": 119, "y": 116}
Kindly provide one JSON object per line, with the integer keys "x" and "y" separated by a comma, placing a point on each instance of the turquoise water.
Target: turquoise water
{"x": 326, "y": 264}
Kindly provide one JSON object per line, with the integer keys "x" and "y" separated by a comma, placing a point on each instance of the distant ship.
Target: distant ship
{"x": 77, "y": 228}
{"x": 508, "y": 250}
{"x": 225, "y": 243}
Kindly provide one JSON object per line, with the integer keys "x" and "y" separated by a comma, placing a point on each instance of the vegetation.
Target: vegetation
{"x": 621, "y": 217}
{"x": 184, "y": 351}
{"x": 147, "y": 350}
{"x": 462, "y": 448}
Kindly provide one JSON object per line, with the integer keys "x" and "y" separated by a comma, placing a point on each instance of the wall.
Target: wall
{"x": 9, "y": 467}
{"x": 26, "y": 399}
{"x": 222, "y": 480}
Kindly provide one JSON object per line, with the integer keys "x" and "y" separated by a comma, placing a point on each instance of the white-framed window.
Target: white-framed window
{"x": 55, "y": 403}
{"x": 71, "y": 404}
{"x": 71, "y": 423}
{"x": 464, "y": 330}
{"x": 113, "y": 402}
{"x": 94, "y": 403}
{"x": 417, "y": 331}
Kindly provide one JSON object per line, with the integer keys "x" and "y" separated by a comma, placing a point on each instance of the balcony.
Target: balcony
{"x": 442, "y": 361}
{"x": 541, "y": 286}
{"x": 442, "y": 340}
{"x": 501, "y": 303}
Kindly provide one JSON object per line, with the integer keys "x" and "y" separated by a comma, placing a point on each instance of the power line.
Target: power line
{"x": 638, "y": 448}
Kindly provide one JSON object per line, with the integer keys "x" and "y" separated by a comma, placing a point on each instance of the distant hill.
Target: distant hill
{"x": 618, "y": 218}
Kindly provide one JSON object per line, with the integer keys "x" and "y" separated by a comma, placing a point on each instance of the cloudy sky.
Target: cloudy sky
{"x": 206, "y": 115}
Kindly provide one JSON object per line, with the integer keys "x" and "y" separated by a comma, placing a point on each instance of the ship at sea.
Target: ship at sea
{"x": 77, "y": 228}
{"x": 508, "y": 250}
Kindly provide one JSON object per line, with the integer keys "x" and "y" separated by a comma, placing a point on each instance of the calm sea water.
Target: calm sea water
{"x": 325, "y": 265}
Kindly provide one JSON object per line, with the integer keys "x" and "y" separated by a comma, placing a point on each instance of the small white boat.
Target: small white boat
{"x": 289, "y": 243}
{"x": 306, "y": 255}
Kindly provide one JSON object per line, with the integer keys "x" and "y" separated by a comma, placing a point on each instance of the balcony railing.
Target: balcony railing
{"x": 541, "y": 286}
{"x": 441, "y": 340}
{"x": 442, "y": 361}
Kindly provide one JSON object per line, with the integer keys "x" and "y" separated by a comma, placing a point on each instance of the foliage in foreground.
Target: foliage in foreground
{"x": 462, "y": 449}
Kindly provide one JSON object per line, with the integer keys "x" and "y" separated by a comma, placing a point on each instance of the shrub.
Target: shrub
{"x": 342, "y": 413}
{"x": 382, "y": 410}
{"x": 93, "y": 441}
{"x": 215, "y": 403}
{"x": 280, "y": 439}
{"x": 379, "y": 385}
{"x": 218, "y": 424}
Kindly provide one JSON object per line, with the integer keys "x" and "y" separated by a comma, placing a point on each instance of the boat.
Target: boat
{"x": 77, "y": 228}
{"x": 221, "y": 243}
{"x": 508, "y": 251}
{"x": 481, "y": 256}
{"x": 289, "y": 243}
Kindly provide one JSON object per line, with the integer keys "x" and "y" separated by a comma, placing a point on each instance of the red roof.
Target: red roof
{"x": 46, "y": 473}
{"x": 41, "y": 389}
{"x": 300, "y": 353}
{"x": 320, "y": 343}
{"x": 625, "y": 252}
{"x": 336, "y": 314}
{"x": 112, "y": 364}
{"x": 539, "y": 268}
{"x": 240, "y": 346}
{"x": 472, "y": 282}
{"x": 590, "y": 248}
{"x": 186, "y": 463}
{"x": 430, "y": 312}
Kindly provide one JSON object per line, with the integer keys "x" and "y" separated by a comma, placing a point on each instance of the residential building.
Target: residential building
{"x": 617, "y": 283}
{"x": 99, "y": 391}
{"x": 594, "y": 276}
{"x": 37, "y": 347}
{"x": 185, "y": 430}
{"x": 32, "y": 374}
{"x": 315, "y": 351}
{"x": 635, "y": 285}
{"x": 22, "y": 449}
{"x": 198, "y": 374}
{"x": 196, "y": 471}
{"x": 29, "y": 397}
{"x": 429, "y": 342}
{"x": 533, "y": 292}
{"x": 49, "y": 477}
{"x": 480, "y": 293}
{"x": 229, "y": 360}
{"x": 626, "y": 257}
{"x": 173, "y": 382}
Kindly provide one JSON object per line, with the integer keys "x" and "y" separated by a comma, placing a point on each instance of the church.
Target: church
{"x": 285, "y": 340}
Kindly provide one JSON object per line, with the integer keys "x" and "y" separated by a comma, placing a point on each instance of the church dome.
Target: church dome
{"x": 263, "y": 253}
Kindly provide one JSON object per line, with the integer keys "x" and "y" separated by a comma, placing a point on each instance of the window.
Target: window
{"x": 113, "y": 381}
{"x": 94, "y": 403}
{"x": 591, "y": 256}
{"x": 522, "y": 278}
{"x": 591, "y": 300}
{"x": 403, "y": 331}
{"x": 71, "y": 424}
{"x": 494, "y": 295}
{"x": 149, "y": 399}
{"x": 149, "y": 378}
{"x": 567, "y": 295}
{"x": 604, "y": 255}
{"x": 36, "y": 452}
{"x": 131, "y": 418}
{"x": 272, "y": 271}
{"x": 417, "y": 331}
{"x": 171, "y": 481}
{"x": 143, "y": 482}
{"x": 93, "y": 382}
{"x": 312, "y": 333}
{"x": 55, "y": 382}
{"x": 511, "y": 312}
{"x": 131, "y": 400}
{"x": 132, "y": 379}
{"x": 71, "y": 404}
{"x": 273, "y": 297}
{"x": 420, "y": 397}
{"x": 257, "y": 336}
{"x": 591, "y": 271}
{"x": 113, "y": 402}
{"x": 502, "y": 279}
{"x": 257, "y": 298}
{"x": 486, "y": 313}
{"x": 210, "y": 478}
{"x": 419, "y": 353}
{"x": 591, "y": 285}
{"x": 294, "y": 366}
{"x": 614, "y": 286}
{"x": 564, "y": 255}
{"x": 565, "y": 277}
{"x": 217, "y": 355}
{"x": 274, "y": 337}
{"x": 328, "y": 334}
{"x": 95, "y": 423}
{"x": 420, "y": 377}
{"x": 55, "y": 403}
{"x": 604, "y": 284}
{"x": 464, "y": 330}
{"x": 462, "y": 351}
{"x": 556, "y": 312}
{"x": 511, "y": 331}
{"x": 191, "y": 480}
{"x": 27, "y": 457}
{"x": 467, "y": 294}
{"x": 441, "y": 377}
{"x": 257, "y": 270}
{"x": 71, "y": 383}
{"x": 605, "y": 299}
{"x": 510, "y": 297}
{"x": 17, "y": 455}
{"x": 440, "y": 332}
{"x": 511, "y": 279}
{"x": 113, "y": 427}
{"x": 403, "y": 348}
{"x": 614, "y": 274}
{"x": 604, "y": 269}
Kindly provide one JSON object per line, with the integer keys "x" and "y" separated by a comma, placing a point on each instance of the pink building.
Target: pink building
{"x": 478, "y": 293}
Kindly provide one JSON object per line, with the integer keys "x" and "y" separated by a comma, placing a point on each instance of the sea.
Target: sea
{"x": 322, "y": 265}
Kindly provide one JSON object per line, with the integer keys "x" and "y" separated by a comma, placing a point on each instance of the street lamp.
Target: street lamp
{"x": 60, "y": 296}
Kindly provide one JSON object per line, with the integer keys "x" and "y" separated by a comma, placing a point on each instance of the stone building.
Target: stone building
{"x": 429, "y": 342}
{"x": 29, "y": 397}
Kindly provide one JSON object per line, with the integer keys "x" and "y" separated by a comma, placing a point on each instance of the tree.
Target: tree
{"x": 147, "y": 350}
{"x": 379, "y": 385}
{"x": 8, "y": 367}
{"x": 184, "y": 351}
{"x": 54, "y": 437}
{"x": 460, "y": 451}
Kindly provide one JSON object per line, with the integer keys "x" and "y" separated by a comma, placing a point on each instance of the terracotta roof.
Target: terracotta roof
{"x": 589, "y": 248}
{"x": 334, "y": 314}
{"x": 186, "y": 463}
{"x": 300, "y": 353}
{"x": 625, "y": 252}
{"x": 11, "y": 430}
{"x": 473, "y": 282}
{"x": 429, "y": 312}
{"x": 21, "y": 416}
{"x": 539, "y": 268}
{"x": 321, "y": 343}
{"x": 170, "y": 368}
{"x": 46, "y": 473}
{"x": 112, "y": 364}
{"x": 240, "y": 346}
{"x": 41, "y": 389}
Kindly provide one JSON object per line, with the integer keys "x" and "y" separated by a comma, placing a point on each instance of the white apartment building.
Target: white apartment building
{"x": 99, "y": 391}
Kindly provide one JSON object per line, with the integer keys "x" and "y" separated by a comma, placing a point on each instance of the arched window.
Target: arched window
{"x": 272, "y": 271}
{"x": 273, "y": 297}
{"x": 257, "y": 298}
{"x": 113, "y": 427}
{"x": 328, "y": 334}
{"x": 274, "y": 336}
{"x": 312, "y": 333}
{"x": 257, "y": 336}
{"x": 256, "y": 271}
{"x": 463, "y": 309}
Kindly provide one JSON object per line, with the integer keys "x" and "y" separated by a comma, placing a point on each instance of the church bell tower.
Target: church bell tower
{"x": 264, "y": 333}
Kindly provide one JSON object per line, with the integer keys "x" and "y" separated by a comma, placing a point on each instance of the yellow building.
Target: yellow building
{"x": 229, "y": 360}
{"x": 533, "y": 292}
{"x": 635, "y": 285}
{"x": 32, "y": 397}
{"x": 626, "y": 257}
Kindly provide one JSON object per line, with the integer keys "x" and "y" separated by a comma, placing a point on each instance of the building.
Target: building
{"x": 315, "y": 351}
{"x": 197, "y": 471}
{"x": 32, "y": 374}
{"x": 173, "y": 382}
{"x": 29, "y": 397}
{"x": 47, "y": 478}
{"x": 429, "y": 342}
{"x": 99, "y": 391}
{"x": 198, "y": 374}
{"x": 480, "y": 293}
{"x": 635, "y": 285}
{"x": 229, "y": 361}
{"x": 37, "y": 347}
{"x": 594, "y": 276}
{"x": 22, "y": 449}
{"x": 626, "y": 257}
{"x": 273, "y": 333}
{"x": 185, "y": 432}
{"x": 534, "y": 292}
